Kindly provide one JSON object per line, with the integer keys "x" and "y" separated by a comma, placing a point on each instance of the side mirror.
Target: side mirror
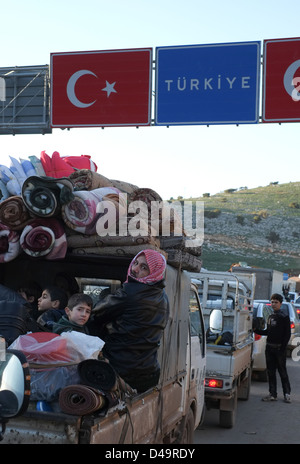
{"x": 216, "y": 321}
{"x": 14, "y": 386}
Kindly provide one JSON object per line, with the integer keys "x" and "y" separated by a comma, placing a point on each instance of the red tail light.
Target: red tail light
{"x": 257, "y": 337}
{"x": 213, "y": 383}
{"x": 292, "y": 325}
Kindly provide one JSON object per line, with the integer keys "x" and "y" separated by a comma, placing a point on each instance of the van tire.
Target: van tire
{"x": 227, "y": 418}
{"x": 187, "y": 437}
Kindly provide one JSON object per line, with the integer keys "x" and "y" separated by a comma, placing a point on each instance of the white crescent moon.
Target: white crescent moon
{"x": 71, "y": 88}
{"x": 289, "y": 76}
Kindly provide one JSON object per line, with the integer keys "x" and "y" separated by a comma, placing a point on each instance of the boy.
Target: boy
{"x": 78, "y": 312}
{"x": 31, "y": 292}
{"x": 52, "y": 303}
{"x": 278, "y": 334}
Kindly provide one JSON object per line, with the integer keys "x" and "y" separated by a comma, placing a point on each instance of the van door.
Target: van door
{"x": 198, "y": 352}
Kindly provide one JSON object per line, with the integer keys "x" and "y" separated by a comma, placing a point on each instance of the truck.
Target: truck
{"x": 226, "y": 303}
{"x": 268, "y": 281}
{"x": 166, "y": 414}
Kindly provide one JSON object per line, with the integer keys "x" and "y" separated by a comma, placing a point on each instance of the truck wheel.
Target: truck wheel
{"x": 187, "y": 437}
{"x": 227, "y": 418}
{"x": 244, "y": 388}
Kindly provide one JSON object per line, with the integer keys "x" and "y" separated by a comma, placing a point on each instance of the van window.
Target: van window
{"x": 196, "y": 321}
{"x": 97, "y": 287}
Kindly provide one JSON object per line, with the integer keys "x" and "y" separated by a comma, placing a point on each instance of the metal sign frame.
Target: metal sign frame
{"x": 25, "y": 100}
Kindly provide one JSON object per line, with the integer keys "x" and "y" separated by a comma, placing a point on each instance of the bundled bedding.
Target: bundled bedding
{"x": 44, "y": 237}
{"x": 9, "y": 244}
{"x": 85, "y": 179}
{"x": 53, "y": 204}
{"x": 44, "y": 196}
{"x": 13, "y": 212}
{"x": 87, "y": 207}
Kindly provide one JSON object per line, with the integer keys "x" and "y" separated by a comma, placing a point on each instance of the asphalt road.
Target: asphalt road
{"x": 258, "y": 422}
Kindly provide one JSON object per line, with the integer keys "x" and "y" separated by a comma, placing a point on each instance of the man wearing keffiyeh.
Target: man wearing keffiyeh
{"x": 132, "y": 320}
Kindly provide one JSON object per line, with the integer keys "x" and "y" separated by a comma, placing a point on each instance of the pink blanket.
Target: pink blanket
{"x": 44, "y": 237}
{"x": 84, "y": 211}
{"x": 9, "y": 244}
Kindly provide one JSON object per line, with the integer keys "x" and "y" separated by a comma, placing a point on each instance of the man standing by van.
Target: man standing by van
{"x": 278, "y": 333}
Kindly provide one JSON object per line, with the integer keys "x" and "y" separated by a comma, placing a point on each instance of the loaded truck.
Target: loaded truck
{"x": 226, "y": 303}
{"x": 268, "y": 281}
{"x": 165, "y": 414}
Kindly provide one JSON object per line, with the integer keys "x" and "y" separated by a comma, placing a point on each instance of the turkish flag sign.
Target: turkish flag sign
{"x": 281, "y": 83}
{"x": 101, "y": 88}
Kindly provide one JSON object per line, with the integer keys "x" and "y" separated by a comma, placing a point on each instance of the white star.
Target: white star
{"x": 109, "y": 88}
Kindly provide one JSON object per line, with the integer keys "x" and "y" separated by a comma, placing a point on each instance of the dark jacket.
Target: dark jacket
{"x": 15, "y": 319}
{"x": 49, "y": 317}
{"x": 278, "y": 329}
{"x": 64, "y": 325}
{"x": 131, "y": 323}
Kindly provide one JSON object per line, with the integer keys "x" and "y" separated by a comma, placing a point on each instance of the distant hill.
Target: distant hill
{"x": 259, "y": 226}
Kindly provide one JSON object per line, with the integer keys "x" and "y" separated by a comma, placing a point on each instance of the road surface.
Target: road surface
{"x": 258, "y": 422}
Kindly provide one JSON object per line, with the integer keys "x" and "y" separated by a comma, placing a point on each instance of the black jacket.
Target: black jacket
{"x": 131, "y": 323}
{"x": 15, "y": 319}
{"x": 278, "y": 329}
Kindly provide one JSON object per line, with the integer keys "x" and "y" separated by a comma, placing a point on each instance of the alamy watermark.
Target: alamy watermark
{"x": 155, "y": 218}
{"x": 296, "y": 350}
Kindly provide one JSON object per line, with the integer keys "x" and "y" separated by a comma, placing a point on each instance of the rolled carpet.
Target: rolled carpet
{"x": 80, "y": 400}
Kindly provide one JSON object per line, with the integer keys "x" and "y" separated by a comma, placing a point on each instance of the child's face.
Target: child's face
{"x": 44, "y": 302}
{"x": 79, "y": 314}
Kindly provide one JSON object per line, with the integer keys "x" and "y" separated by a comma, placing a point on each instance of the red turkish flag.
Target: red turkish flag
{"x": 101, "y": 88}
{"x": 281, "y": 85}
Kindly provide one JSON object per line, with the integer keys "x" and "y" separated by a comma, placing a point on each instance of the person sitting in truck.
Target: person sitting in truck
{"x": 131, "y": 321}
{"x": 78, "y": 312}
{"x": 31, "y": 291}
{"x": 52, "y": 303}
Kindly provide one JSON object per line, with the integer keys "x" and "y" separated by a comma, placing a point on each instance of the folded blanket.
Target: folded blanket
{"x": 84, "y": 211}
{"x": 164, "y": 219}
{"x": 81, "y": 240}
{"x": 28, "y": 168}
{"x": 44, "y": 196}
{"x": 60, "y": 166}
{"x": 10, "y": 180}
{"x": 13, "y": 213}
{"x": 124, "y": 186}
{"x": 127, "y": 251}
{"x": 4, "y": 193}
{"x": 17, "y": 169}
{"x": 9, "y": 244}
{"x": 44, "y": 237}
{"x": 84, "y": 179}
{"x": 37, "y": 164}
{"x": 54, "y": 166}
{"x": 80, "y": 400}
{"x": 98, "y": 374}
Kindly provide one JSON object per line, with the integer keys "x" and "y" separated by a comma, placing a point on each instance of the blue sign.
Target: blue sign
{"x": 207, "y": 84}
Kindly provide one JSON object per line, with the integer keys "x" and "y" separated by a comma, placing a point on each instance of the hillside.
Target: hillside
{"x": 258, "y": 226}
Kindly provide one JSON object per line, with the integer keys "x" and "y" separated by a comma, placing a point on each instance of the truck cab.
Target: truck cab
{"x": 168, "y": 413}
{"x": 227, "y": 308}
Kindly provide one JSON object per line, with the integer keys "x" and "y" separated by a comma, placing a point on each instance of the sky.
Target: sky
{"x": 177, "y": 161}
